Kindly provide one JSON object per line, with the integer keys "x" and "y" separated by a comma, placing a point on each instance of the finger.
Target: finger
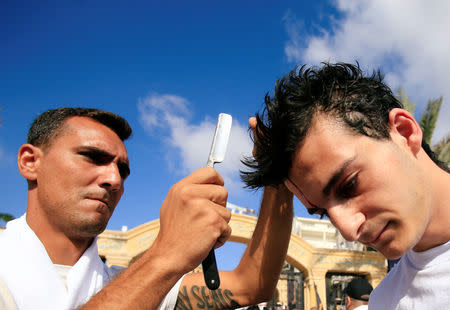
{"x": 208, "y": 192}
{"x": 252, "y": 122}
{"x": 215, "y": 221}
{"x": 206, "y": 175}
{"x": 217, "y": 213}
{"x": 223, "y": 212}
{"x": 223, "y": 237}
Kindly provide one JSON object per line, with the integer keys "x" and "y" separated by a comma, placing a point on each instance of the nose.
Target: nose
{"x": 347, "y": 220}
{"x": 111, "y": 178}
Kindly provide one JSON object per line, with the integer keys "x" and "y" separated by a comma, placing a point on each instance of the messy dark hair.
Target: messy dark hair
{"x": 362, "y": 102}
{"x": 48, "y": 125}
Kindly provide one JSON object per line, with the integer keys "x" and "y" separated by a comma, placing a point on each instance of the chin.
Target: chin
{"x": 92, "y": 229}
{"x": 391, "y": 252}
{"x": 393, "y": 256}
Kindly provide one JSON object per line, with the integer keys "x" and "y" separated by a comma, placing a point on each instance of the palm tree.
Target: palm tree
{"x": 6, "y": 217}
{"x": 442, "y": 148}
{"x": 406, "y": 102}
{"x": 427, "y": 122}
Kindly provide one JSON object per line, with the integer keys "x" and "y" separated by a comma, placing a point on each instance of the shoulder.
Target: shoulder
{"x": 13, "y": 230}
{"x": 385, "y": 293}
{"x": 9, "y": 240}
{"x": 6, "y": 299}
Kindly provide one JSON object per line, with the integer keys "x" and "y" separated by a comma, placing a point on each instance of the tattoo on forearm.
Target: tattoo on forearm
{"x": 201, "y": 297}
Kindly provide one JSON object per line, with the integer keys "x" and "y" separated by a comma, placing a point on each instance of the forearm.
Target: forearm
{"x": 261, "y": 264}
{"x": 141, "y": 286}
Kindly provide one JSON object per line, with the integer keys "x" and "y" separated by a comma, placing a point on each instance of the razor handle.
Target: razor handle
{"x": 210, "y": 272}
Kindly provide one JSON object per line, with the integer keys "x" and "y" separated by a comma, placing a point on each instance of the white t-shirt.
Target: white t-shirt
{"x": 420, "y": 280}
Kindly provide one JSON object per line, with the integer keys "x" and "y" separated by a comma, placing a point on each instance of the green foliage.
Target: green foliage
{"x": 406, "y": 102}
{"x": 442, "y": 148}
{"x": 429, "y": 118}
{"x": 5, "y": 217}
{"x": 428, "y": 121}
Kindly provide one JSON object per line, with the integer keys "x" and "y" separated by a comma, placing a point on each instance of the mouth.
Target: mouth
{"x": 374, "y": 239}
{"x": 104, "y": 202}
{"x": 378, "y": 237}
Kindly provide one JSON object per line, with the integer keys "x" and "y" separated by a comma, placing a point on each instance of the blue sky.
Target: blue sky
{"x": 171, "y": 67}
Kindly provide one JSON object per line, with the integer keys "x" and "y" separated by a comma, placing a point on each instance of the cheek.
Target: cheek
{"x": 386, "y": 190}
{"x": 416, "y": 221}
{"x": 51, "y": 182}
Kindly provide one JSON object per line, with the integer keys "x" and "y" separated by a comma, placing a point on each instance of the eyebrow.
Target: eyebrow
{"x": 299, "y": 194}
{"x": 123, "y": 165}
{"x": 336, "y": 176}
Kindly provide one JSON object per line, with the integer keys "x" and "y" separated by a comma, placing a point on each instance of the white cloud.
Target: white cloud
{"x": 408, "y": 39}
{"x": 192, "y": 142}
{"x": 156, "y": 109}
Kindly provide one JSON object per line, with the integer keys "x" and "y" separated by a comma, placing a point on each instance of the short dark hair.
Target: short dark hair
{"x": 358, "y": 288}
{"x": 360, "y": 101}
{"x": 49, "y": 124}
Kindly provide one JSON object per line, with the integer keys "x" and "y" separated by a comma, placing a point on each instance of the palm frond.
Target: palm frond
{"x": 442, "y": 149}
{"x": 408, "y": 105}
{"x": 6, "y": 217}
{"x": 429, "y": 118}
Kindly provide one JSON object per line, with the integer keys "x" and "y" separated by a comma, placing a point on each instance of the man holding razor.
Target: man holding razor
{"x": 76, "y": 164}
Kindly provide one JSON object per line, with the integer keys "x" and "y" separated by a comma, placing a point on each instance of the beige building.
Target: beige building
{"x": 319, "y": 261}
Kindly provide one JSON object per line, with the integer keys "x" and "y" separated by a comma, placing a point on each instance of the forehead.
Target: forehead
{"x": 84, "y": 131}
{"x": 326, "y": 137}
{"x": 327, "y": 145}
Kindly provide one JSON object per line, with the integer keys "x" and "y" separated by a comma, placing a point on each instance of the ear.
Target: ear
{"x": 348, "y": 301}
{"x": 405, "y": 127}
{"x": 28, "y": 159}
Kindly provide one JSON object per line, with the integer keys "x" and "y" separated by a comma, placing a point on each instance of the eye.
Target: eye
{"x": 348, "y": 189}
{"x": 96, "y": 157}
{"x": 124, "y": 170}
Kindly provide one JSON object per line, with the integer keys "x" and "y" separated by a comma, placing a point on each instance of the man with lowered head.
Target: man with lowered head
{"x": 343, "y": 144}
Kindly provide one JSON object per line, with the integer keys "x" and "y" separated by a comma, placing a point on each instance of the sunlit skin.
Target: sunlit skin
{"x": 378, "y": 192}
{"x": 76, "y": 184}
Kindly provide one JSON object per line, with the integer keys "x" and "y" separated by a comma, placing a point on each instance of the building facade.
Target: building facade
{"x": 319, "y": 261}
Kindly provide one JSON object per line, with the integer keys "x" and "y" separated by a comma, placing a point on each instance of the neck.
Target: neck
{"x": 354, "y": 303}
{"x": 61, "y": 248}
{"x": 437, "y": 232}
{"x": 357, "y": 303}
